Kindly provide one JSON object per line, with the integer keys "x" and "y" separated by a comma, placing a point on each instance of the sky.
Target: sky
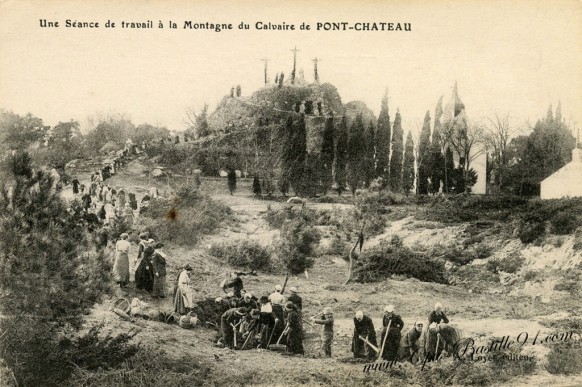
{"x": 507, "y": 57}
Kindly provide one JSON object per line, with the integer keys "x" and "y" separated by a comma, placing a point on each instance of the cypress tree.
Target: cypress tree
{"x": 408, "y": 165}
{"x": 327, "y": 153}
{"x": 449, "y": 166}
{"x": 356, "y": 153}
{"x": 298, "y": 159}
{"x": 437, "y": 159}
{"x": 397, "y": 154}
{"x": 424, "y": 166}
{"x": 369, "y": 156}
{"x": 383, "y": 140}
{"x": 341, "y": 155}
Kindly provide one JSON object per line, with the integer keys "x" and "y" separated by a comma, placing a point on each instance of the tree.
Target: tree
{"x": 369, "y": 155}
{"x": 327, "y": 153}
{"x": 341, "y": 155}
{"x": 397, "y": 154}
{"x": 116, "y": 128}
{"x": 50, "y": 275}
{"x": 497, "y": 134}
{"x": 238, "y": 91}
{"x": 294, "y": 154}
{"x": 20, "y": 132}
{"x": 464, "y": 139}
{"x": 535, "y": 157}
{"x": 356, "y": 153}
{"x": 198, "y": 122}
{"x": 149, "y": 133}
{"x": 383, "y": 140}
{"x": 424, "y": 159}
{"x": 408, "y": 165}
{"x": 437, "y": 159}
{"x": 65, "y": 143}
{"x": 281, "y": 78}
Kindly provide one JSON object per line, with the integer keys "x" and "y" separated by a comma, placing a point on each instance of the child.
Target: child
{"x": 327, "y": 333}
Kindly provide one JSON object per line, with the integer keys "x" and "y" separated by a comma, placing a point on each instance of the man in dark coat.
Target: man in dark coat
{"x": 295, "y": 298}
{"x": 294, "y": 330}
{"x": 232, "y": 316}
{"x": 235, "y": 283}
{"x": 392, "y": 341}
{"x": 437, "y": 315}
{"x": 364, "y": 327}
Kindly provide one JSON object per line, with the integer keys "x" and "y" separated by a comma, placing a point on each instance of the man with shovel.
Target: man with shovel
{"x": 229, "y": 321}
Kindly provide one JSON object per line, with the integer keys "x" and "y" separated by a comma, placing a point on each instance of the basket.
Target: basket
{"x": 121, "y": 304}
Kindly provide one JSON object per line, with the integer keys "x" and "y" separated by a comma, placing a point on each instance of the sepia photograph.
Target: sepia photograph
{"x": 290, "y": 193}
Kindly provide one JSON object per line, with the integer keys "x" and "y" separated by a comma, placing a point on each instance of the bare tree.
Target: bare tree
{"x": 464, "y": 137}
{"x": 197, "y": 122}
{"x": 497, "y": 133}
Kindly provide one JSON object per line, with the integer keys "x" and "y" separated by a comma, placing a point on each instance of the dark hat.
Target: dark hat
{"x": 143, "y": 235}
{"x": 264, "y": 300}
{"x": 188, "y": 267}
{"x": 289, "y": 305}
{"x": 241, "y": 310}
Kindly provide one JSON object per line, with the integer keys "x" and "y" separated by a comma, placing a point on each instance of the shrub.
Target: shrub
{"x": 245, "y": 253}
{"x": 565, "y": 358}
{"x": 531, "y": 227}
{"x": 391, "y": 259}
{"x": 38, "y": 357}
{"x": 297, "y": 245}
{"x": 570, "y": 283}
{"x": 149, "y": 368}
{"x": 186, "y": 217}
{"x": 509, "y": 264}
{"x": 564, "y": 223}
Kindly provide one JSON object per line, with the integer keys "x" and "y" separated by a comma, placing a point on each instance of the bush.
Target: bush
{"x": 531, "y": 227}
{"x": 298, "y": 239}
{"x": 564, "y": 223}
{"x": 509, "y": 264}
{"x": 389, "y": 259}
{"x": 149, "y": 368}
{"x": 565, "y": 358}
{"x": 38, "y": 357}
{"x": 186, "y": 217}
{"x": 245, "y": 253}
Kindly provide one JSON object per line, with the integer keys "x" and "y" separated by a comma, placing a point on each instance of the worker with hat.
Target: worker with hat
{"x": 392, "y": 324}
{"x": 277, "y": 301}
{"x": 229, "y": 322}
{"x": 295, "y": 298}
{"x": 294, "y": 330}
{"x": 236, "y": 283}
{"x": 326, "y": 319}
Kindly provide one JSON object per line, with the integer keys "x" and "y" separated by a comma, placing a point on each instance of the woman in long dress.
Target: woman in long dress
{"x": 121, "y": 265}
{"x": 128, "y": 214}
{"x": 183, "y": 294}
{"x": 144, "y": 275}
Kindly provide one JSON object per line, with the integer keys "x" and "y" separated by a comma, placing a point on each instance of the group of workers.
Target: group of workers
{"x": 274, "y": 320}
{"x": 392, "y": 345}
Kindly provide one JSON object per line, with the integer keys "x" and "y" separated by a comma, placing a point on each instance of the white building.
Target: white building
{"x": 566, "y": 181}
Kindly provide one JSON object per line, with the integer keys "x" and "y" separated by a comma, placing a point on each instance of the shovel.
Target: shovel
{"x": 370, "y": 344}
{"x": 384, "y": 341}
{"x": 278, "y": 347}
